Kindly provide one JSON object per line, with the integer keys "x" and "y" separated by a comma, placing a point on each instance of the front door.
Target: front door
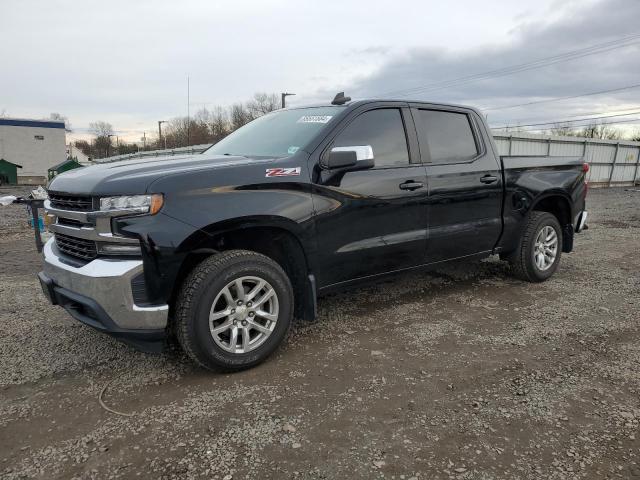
{"x": 372, "y": 221}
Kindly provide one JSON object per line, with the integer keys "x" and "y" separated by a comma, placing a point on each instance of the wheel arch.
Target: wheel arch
{"x": 559, "y": 205}
{"x": 276, "y": 238}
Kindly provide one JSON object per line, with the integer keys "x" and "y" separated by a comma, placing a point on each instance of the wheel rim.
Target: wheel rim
{"x": 243, "y": 314}
{"x": 545, "y": 249}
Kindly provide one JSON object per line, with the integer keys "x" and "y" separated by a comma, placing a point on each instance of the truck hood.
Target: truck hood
{"x": 129, "y": 177}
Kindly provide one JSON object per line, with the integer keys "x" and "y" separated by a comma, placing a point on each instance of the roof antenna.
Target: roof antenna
{"x": 340, "y": 99}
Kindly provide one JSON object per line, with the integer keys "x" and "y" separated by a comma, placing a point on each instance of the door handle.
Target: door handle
{"x": 411, "y": 185}
{"x": 489, "y": 179}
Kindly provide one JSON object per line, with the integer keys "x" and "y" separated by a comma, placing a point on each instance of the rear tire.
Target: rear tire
{"x": 538, "y": 254}
{"x": 233, "y": 310}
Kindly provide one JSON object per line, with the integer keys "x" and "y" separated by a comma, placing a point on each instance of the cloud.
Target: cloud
{"x": 126, "y": 62}
{"x": 580, "y": 25}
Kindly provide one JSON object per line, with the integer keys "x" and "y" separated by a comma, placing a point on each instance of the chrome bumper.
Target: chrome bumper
{"x": 108, "y": 283}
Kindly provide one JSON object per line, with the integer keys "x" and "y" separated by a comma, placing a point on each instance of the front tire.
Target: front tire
{"x": 233, "y": 310}
{"x": 538, "y": 254}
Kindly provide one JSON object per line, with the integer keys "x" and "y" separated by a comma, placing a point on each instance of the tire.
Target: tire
{"x": 203, "y": 320}
{"x": 523, "y": 260}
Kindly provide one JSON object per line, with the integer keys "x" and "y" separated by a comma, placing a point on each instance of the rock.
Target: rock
{"x": 289, "y": 428}
{"x": 296, "y": 445}
{"x": 379, "y": 463}
{"x": 376, "y": 353}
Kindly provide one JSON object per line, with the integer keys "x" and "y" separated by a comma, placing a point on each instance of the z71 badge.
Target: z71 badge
{"x": 283, "y": 172}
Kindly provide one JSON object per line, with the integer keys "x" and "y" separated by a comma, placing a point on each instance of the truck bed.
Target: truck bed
{"x": 528, "y": 179}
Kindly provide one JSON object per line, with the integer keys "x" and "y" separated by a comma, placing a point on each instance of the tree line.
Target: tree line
{"x": 206, "y": 126}
{"x": 593, "y": 130}
{"x": 210, "y": 125}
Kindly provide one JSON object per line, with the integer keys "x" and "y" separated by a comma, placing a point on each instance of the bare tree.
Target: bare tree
{"x": 239, "y": 116}
{"x": 211, "y": 126}
{"x": 102, "y": 143}
{"x": 262, "y": 103}
{"x": 601, "y": 131}
{"x": 175, "y": 133}
{"x": 101, "y": 129}
{"x": 219, "y": 124}
{"x": 562, "y": 130}
{"x": 199, "y": 132}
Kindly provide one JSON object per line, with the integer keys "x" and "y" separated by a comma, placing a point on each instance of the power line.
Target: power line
{"x": 633, "y": 120}
{"x": 543, "y": 62}
{"x": 582, "y": 114}
{"x": 554, "y": 122}
{"x": 557, "y": 99}
{"x": 594, "y": 49}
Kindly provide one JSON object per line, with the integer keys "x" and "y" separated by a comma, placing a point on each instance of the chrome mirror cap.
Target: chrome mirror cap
{"x": 363, "y": 152}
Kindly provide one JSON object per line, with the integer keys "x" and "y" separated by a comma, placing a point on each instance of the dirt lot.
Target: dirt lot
{"x": 462, "y": 373}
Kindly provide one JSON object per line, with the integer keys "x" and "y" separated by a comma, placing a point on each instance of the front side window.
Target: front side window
{"x": 384, "y": 131}
{"x": 278, "y": 134}
{"x": 448, "y": 135}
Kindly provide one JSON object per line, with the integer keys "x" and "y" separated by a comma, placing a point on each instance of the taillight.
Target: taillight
{"x": 585, "y": 167}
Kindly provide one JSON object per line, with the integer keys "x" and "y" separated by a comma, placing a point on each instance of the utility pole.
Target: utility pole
{"x": 160, "y": 122}
{"x": 144, "y": 140}
{"x": 284, "y": 95}
{"x": 109, "y": 142}
{"x": 188, "y": 117}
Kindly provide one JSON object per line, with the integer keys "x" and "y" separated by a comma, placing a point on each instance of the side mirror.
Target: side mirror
{"x": 357, "y": 157}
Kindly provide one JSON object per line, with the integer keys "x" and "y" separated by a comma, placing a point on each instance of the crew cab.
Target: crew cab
{"x": 225, "y": 248}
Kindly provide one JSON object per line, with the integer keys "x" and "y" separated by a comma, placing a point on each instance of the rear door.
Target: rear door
{"x": 465, "y": 183}
{"x": 372, "y": 221}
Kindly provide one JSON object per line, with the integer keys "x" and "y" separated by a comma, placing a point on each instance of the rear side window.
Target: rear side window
{"x": 448, "y": 135}
{"x": 382, "y": 129}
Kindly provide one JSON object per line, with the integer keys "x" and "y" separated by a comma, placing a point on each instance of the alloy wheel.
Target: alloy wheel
{"x": 243, "y": 314}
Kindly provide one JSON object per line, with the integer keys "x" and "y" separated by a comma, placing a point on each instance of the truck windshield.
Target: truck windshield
{"x": 277, "y": 134}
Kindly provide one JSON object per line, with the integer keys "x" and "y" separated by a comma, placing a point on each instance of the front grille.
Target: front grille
{"x": 79, "y": 203}
{"x": 76, "y": 247}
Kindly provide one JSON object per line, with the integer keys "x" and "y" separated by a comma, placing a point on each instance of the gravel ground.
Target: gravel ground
{"x": 463, "y": 373}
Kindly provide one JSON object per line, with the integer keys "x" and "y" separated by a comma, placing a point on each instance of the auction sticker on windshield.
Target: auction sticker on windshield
{"x": 315, "y": 118}
{"x": 283, "y": 172}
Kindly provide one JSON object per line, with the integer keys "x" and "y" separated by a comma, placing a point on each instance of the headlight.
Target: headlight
{"x": 137, "y": 203}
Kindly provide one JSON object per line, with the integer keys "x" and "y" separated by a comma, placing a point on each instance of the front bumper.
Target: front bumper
{"x": 99, "y": 294}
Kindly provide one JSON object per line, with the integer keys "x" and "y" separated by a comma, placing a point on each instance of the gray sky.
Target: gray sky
{"x": 126, "y": 62}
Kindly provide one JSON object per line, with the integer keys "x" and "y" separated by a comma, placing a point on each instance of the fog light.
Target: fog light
{"x": 118, "y": 249}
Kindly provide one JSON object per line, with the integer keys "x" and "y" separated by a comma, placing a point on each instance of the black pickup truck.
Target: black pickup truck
{"x": 224, "y": 248}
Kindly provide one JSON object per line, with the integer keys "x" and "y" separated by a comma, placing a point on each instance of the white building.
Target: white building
{"x": 74, "y": 152}
{"x": 34, "y": 144}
